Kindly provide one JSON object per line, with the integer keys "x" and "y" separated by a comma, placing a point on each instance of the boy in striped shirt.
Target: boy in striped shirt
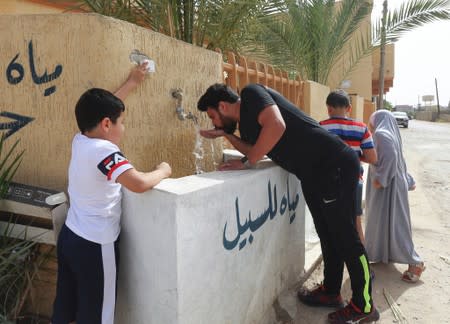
{"x": 355, "y": 134}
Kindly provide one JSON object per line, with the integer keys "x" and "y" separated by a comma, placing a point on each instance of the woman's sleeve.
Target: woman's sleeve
{"x": 411, "y": 181}
{"x": 386, "y": 166}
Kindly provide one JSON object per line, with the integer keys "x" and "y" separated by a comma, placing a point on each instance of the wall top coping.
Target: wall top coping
{"x": 197, "y": 182}
{"x": 189, "y": 184}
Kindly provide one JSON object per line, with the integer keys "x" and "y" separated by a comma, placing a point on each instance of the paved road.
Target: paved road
{"x": 429, "y": 144}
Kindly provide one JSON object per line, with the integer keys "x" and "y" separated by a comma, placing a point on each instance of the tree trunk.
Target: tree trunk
{"x": 437, "y": 99}
{"x": 380, "y": 103}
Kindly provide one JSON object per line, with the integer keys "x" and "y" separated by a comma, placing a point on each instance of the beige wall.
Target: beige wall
{"x": 25, "y": 7}
{"x": 360, "y": 76}
{"x": 369, "y": 108}
{"x": 93, "y": 51}
{"x": 425, "y": 115}
{"x": 314, "y": 100}
{"x": 444, "y": 117}
{"x": 357, "y": 107}
{"x": 389, "y": 62}
{"x": 361, "y": 80}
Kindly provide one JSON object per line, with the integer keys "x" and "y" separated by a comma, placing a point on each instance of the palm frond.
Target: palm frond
{"x": 346, "y": 35}
{"x": 13, "y": 252}
{"x": 310, "y": 36}
{"x": 411, "y": 15}
{"x": 120, "y": 9}
{"x": 8, "y": 164}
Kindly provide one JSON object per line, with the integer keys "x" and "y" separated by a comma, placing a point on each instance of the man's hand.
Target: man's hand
{"x": 232, "y": 165}
{"x": 212, "y": 133}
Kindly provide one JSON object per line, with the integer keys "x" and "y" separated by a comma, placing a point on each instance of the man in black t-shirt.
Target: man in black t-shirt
{"x": 328, "y": 170}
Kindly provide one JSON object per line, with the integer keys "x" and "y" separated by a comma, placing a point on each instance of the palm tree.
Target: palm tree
{"x": 382, "y": 56}
{"x": 13, "y": 252}
{"x": 306, "y": 37}
{"x": 206, "y": 23}
{"x": 314, "y": 36}
{"x": 311, "y": 36}
{"x": 393, "y": 24}
{"x": 120, "y": 9}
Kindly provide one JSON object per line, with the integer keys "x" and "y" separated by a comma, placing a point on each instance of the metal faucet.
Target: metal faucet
{"x": 178, "y": 95}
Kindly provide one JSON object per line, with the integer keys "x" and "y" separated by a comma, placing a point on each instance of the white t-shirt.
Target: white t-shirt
{"x": 95, "y": 197}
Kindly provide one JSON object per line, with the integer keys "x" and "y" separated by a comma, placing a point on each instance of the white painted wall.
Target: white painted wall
{"x": 185, "y": 260}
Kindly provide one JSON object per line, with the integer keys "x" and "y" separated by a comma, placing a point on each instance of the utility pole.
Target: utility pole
{"x": 380, "y": 104}
{"x": 437, "y": 99}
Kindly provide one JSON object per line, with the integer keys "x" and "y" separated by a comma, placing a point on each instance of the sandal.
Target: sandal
{"x": 412, "y": 275}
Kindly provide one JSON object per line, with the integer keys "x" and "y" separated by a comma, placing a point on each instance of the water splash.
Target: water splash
{"x": 198, "y": 150}
{"x": 213, "y": 158}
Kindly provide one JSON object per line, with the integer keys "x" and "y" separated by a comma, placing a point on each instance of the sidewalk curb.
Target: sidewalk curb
{"x": 308, "y": 271}
{"x": 284, "y": 307}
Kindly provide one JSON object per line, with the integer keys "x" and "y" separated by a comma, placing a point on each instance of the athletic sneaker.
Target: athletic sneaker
{"x": 353, "y": 315}
{"x": 319, "y": 297}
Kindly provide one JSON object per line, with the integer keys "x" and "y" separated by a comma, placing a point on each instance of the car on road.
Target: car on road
{"x": 401, "y": 117}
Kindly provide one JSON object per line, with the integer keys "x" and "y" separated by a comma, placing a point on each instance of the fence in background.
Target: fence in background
{"x": 238, "y": 72}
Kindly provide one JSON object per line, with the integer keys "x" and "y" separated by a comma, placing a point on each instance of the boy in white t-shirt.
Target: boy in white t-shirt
{"x": 88, "y": 241}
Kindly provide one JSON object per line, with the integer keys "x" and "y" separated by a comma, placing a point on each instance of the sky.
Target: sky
{"x": 422, "y": 57}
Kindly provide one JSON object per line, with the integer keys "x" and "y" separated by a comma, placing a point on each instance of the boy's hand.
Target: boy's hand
{"x": 165, "y": 168}
{"x": 138, "y": 73}
{"x": 136, "y": 76}
{"x": 377, "y": 184}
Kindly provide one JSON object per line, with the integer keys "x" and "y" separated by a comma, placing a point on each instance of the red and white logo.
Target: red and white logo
{"x": 111, "y": 163}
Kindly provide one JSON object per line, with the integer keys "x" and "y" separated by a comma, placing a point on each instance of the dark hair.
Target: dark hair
{"x": 215, "y": 93}
{"x": 94, "y": 105}
{"x": 338, "y": 99}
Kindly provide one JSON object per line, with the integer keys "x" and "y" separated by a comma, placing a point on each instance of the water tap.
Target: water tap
{"x": 192, "y": 116}
{"x": 178, "y": 95}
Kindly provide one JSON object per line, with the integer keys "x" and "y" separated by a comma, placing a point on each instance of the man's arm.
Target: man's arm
{"x": 272, "y": 128}
{"x": 369, "y": 156}
{"x": 135, "y": 77}
{"x": 238, "y": 143}
{"x": 137, "y": 181}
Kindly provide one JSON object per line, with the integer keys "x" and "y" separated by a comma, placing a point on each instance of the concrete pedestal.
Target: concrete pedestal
{"x": 211, "y": 248}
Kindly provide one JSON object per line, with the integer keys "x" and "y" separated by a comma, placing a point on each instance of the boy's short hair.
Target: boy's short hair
{"x": 338, "y": 99}
{"x": 215, "y": 93}
{"x": 94, "y": 105}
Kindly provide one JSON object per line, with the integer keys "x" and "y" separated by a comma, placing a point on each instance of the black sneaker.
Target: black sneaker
{"x": 351, "y": 314}
{"x": 319, "y": 297}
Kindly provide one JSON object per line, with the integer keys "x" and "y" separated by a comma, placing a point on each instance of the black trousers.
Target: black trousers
{"x": 87, "y": 278}
{"x": 330, "y": 195}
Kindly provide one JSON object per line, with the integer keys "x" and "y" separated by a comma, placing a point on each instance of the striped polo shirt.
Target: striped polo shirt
{"x": 354, "y": 133}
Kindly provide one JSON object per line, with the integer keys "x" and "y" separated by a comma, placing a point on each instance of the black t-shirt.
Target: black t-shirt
{"x": 305, "y": 147}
